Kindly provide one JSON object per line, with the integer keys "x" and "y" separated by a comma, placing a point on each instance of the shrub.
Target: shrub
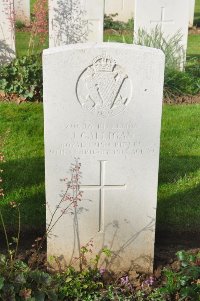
{"x": 171, "y": 46}
{"x": 23, "y": 77}
{"x": 177, "y": 82}
{"x": 109, "y": 23}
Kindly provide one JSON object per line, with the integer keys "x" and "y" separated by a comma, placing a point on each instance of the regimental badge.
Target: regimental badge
{"x": 104, "y": 87}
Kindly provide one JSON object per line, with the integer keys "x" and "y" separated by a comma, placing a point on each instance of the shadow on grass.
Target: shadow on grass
{"x": 172, "y": 168}
{"x": 23, "y": 182}
{"x": 180, "y": 212}
{"x": 23, "y": 173}
{"x": 197, "y": 19}
{"x": 192, "y": 56}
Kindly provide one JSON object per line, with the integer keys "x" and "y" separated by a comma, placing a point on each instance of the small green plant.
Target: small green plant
{"x": 183, "y": 284}
{"x": 110, "y": 23}
{"x": 19, "y": 24}
{"x": 23, "y": 77}
{"x": 179, "y": 83}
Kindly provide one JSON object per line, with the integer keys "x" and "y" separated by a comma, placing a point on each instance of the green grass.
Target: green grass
{"x": 22, "y": 41}
{"x": 24, "y": 167}
{"x": 32, "y": 3}
{"x": 126, "y": 38}
{"x": 197, "y": 13}
{"x": 179, "y": 176}
{"x": 193, "y": 45}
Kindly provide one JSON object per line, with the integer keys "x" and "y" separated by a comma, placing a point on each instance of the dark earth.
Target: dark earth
{"x": 185, "y": 99}
{"x": 166, "y": 246}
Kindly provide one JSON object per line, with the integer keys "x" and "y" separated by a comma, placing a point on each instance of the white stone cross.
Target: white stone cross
{"x": 162, "y": 18}
{"x": 102, "y": 187}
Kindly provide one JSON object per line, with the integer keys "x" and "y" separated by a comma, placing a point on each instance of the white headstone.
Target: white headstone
{"x": 22, "y": 11}
{"x": 103, "y": 103}
{"x": 123, "y": 8}
{"x": 7, "y": 31}
{"x": 170, "y": 15}
{"x": 75, "y": 21}
{"x": 191, "y": 12}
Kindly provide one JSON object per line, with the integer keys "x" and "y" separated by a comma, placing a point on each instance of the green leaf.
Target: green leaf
{"x": 15, "y": 239}
{"x": 52, "y": 295}
{"x": 39, "y": 296}
{"x": 2, "y": 259}
{"x": 181, "y": 255}
{"x": 68, "y": 279}
{"x": 1, "y": 282}
{"x": 192, "y": 258}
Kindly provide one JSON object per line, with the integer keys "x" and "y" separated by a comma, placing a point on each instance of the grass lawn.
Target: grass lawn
{"x": 22, "y": 42}
{"x": 24, "y": 167}
{"x": 32, "y": 3}
{"x": 179, "y": 176}
{"x": 197, "y": 13}
{"x": 193, "y": 45}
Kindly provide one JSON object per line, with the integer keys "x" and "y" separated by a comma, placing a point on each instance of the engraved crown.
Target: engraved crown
{"x": 104, "y": 63}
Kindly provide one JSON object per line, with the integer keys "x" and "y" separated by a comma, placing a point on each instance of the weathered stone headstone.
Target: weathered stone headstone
{"x": 103, "y": 103}
{"x": 170, "y": 16}
{"x": 123, "y": 8}
{"x": 22, "y": 11}
{"x": 7, "y": 31}
{"x": 191, "y": 12}
{"x": 75, "y": 21}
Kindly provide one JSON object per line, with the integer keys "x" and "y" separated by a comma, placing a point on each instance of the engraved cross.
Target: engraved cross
{"x": 162, "y": 19}
{"x": 102, "y": 187}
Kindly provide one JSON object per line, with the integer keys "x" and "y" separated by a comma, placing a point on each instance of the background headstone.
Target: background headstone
{"x": 191, "y": 12}
{"x": 103, "y": 103}
{"x": 22, "y": 11}
{"x": 170, "y": 15}
{"x": 123, "y": 8}
{"x": 7, "y": 31}
{"x": 75, "y": 21}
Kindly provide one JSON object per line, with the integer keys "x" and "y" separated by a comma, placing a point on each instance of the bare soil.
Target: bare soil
{"x": 194, "y": 30}
{"x": 166, "y": 247}
{"x": 185, "y": 99}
